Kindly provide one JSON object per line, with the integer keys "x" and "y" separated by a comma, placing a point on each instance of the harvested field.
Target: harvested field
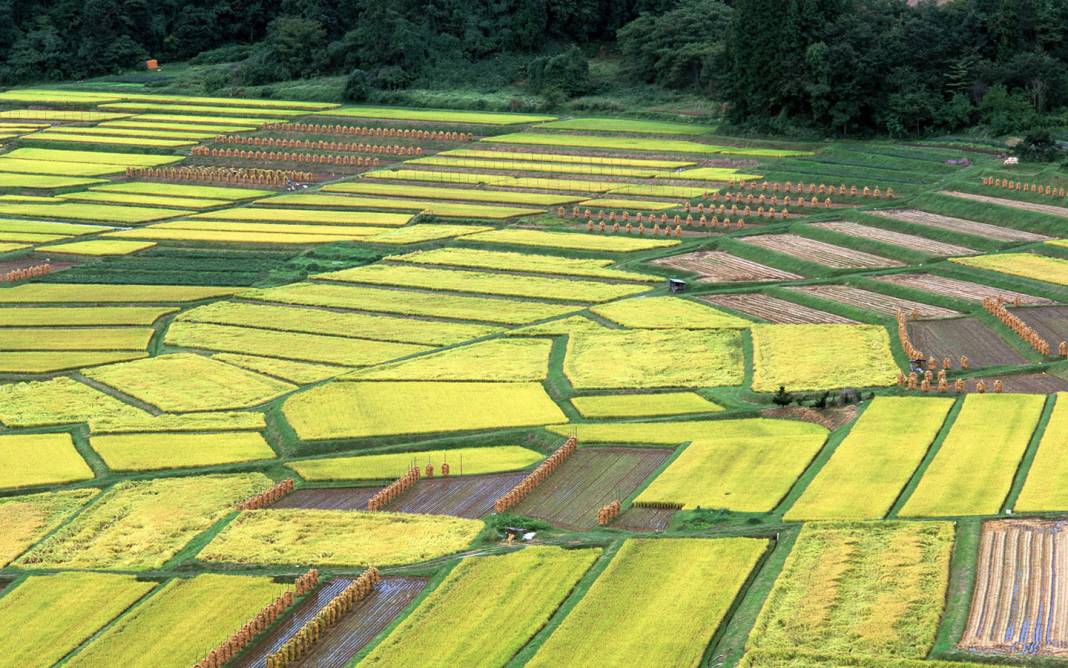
{"x": 961, "y": 225}
{"x": 329, "y": 498}
{"x": 645, "y": 519}
{"x": 952, "y": 287}
{"x": 874, "y": 301}
{"x": 779, "y": 311}
{"x": 1019, "y": 601}
{"x": 819, "y": 252}
{"x": 469, "y": 496}
{"x": 591, "y": 478}
{"x": 340, "y": 642}
{"x": 1042, "y": 383}
{"x": 1011, "y": 203}
{"x": 1051, "y": 322}
{"x": 720, "y": 267}
{"x": 909, "y": 241}
{"x": 962, "y": 336}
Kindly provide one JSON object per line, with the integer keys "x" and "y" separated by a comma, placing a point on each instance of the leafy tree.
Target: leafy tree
{"x": 1004, "y": 112}
{"x": 679, "y": 48}
{"x": 357, "y": 86}
{"x": 567, "y": 73}
{"x": 293, "y": 49}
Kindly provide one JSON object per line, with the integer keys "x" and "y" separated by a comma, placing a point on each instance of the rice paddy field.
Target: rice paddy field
{"x": 800, "y": 440}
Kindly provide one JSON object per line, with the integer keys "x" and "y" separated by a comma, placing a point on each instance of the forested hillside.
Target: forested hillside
{"x": 867, "y": 66}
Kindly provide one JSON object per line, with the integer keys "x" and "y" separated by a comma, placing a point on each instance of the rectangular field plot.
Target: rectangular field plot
{"x": 570, "y": 240}
{"x": 55, "y": 338}
{"x": 870, "y": 589}
{"x": 182, "y": 190}
{"x": 1044, "y": 383}
{"x": 462, "y": 461}
{"x": 657, "y": 145}
{"x": 94, "y": 157}
{"x": 239, "y": 233}
{"x": 436, "y": 115}
{"x": 908, "y": 241}
{"x": 139, "y": 525}
{"x": 158, "y": 451}
{"x": 429, "y": 207}
{"x": 146, "y": 200}
{"x": 570, "y": 157}
{"x": 338, "y": 644}
{"x": 454, "y": 307}
{"x": 629, "y": 618}
{"x": 644, "y": 519}
{"x": 819, "y": 252}
{"x": 587, "y": 481}
{"x": 645, "y": 404}
{"x": 774, "y": 310}
{"x": 338, "y": 538}
{"x": 1026, "y": 265}
{"x": 960, "y": 225}
{"x": 264, "y": 214}
{"x": 456, "y": 280}
{"x": 1051, "y": 322}
{"x": 523, "y": 262}
{"x": 967, "y": 475}
{"x": 291, "y": 371}
{"x": 651, "y": 359}
{"x": 668, "y": 313}
{"x": 105, "y": 213}
{"x": 1046, "y": 487}
{"x": 467, "y": 496}
{"x": 720, "y": 267}
{"x": 1019, "y": 604}
{"x": 485, "y": 610}
{"x": 363, "y": 187}
{"x": 27, "y": 460}
{"x": 183, "y": 382}
{"x": 525, "y": 166}
{"x": 144, "y": 423}
{"x": 1011, "y": 203}
{"x": 181, "y": 622}
{"x": 334, "y": 323}
{"x": 384, "y": 408}
{"x": 747, "y": 474}
{"x": 41, "y": 361}
{"x": 871, "y": 466}
{"x": 800, "y": 357}
{"x": 962, "y": 336}
{"x": 42, "y": 181}
{"x": 875, "y": 302}
{"x": 957, "y": 289}
{"x": 98, "y": 247}
{"x": 287, "y": 345}
{"x": 47, "y": 616}
{"x": 27, "y": 519}
{"x": 504, "y": 359}
{"x": 86, "y": 293}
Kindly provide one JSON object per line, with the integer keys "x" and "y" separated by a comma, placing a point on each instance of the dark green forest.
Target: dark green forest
{"x": 829, "y": 67}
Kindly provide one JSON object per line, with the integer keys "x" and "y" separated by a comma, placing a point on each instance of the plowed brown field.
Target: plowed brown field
{"x": 874, "y": 301}
{"x": 775, "y": 310}
{"x": 909, "y": 241}
{"x": 819, "y": 252}
{"x": 720, "y": 267}
{"x": 961, "y": 225}
{"x": 951, "y": 287}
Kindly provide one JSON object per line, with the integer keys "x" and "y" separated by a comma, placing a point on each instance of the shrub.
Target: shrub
{"x": 566, "y": 74}
{"x": 357, "y": 86}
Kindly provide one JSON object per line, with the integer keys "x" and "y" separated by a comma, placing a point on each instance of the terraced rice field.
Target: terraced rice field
{"x": 629, "y": 617}
{"x": 1044, "y": 488}
{"x": 1011, "y": 203}
{"x": 28, "y": 518}
{"x": 802, "y": 357}
{"x": 876, "y": 302}
{"x": 775, "y": 310}
{"x": 645, "y": 519}
{"x": 958, "y": 289}
{"x": 746, "y": 474}
{"x": 1051, "y": 322}
{"x": 967, "y": 476}
{"x": 962, "y": 336}
{"x": 872, "y": 465}
{"x": 1026, "y": 265}
{"x": 960, "y": 225}
{"x": 720, "y": 267}
{"x": 588, "y": 480}
{"x": 869, "y": 589}
{"x": 341, "y": 642}
{"x": 819, "y": 252}
{"x": 1019, "y": 601}
{"x": 908, "y": 241}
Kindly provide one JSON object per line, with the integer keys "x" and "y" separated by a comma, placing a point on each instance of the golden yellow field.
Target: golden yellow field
{"x": 462, "y": 461}
{"x": 1044, "y": 488}
{"x": 638, "y": 405}
{"x": 658, "y": 603}
{"x": 1026, "y": 265}
{"x": 338, "y": 538}
{"x": 57, "y": 401}
{"x": 818, "y": 357}
{"x": 384, "y": 408}
{"x": 668, "y": 313}
{"x": 27, "y": 460}
{"x": 485, "y": 610}
{"x": 512, "y": 360}
{"x": 26, "y": 519}
{"x": 163, "y": 450}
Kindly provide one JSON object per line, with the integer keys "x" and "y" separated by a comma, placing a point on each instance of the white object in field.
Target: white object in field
{"x": 529, "y": 535}
{"x": 1011, "y": 161}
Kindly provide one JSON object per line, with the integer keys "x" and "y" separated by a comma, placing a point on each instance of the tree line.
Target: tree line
{"x": 835, "y": 67}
